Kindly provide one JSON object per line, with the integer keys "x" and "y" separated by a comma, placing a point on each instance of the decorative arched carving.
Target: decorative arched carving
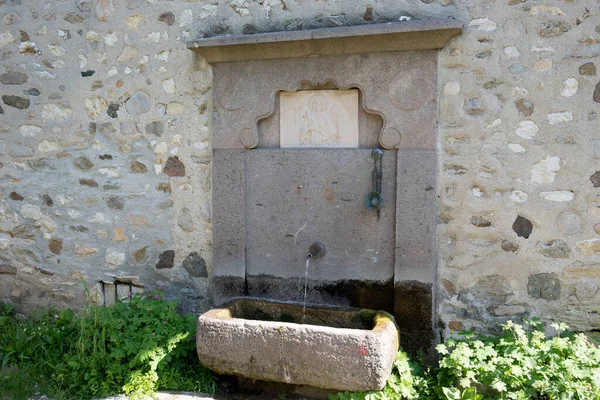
{"x": 397, "y": 98}
{"x": 388, "y": 137}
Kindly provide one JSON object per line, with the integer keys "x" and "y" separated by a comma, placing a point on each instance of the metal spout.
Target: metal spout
{"x": 316, "y": 250}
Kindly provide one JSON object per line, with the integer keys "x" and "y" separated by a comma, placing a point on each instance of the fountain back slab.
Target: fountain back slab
{"x": 270, "y": 202}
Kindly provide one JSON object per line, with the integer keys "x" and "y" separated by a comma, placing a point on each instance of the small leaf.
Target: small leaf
{"x": 66, "y": 315}
{"x": 451, "y": 393}
{"x": 469, "y": 394}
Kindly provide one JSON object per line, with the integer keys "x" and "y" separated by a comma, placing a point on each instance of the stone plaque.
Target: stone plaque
{"x": 319, "y": 118}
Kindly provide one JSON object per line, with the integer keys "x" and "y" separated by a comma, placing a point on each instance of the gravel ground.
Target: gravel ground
{"x": 201, "y": 396}
{"x": 169, "y": 396}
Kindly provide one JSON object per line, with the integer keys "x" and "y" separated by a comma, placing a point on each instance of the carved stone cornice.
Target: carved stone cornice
{"x": 415, "y": 35}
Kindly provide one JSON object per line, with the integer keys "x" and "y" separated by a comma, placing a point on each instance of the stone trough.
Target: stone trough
{"x": 335, "y": 348}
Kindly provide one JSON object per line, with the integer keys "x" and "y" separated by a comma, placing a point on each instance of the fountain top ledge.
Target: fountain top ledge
{"x": 414, "y": 35}
{"x": 337, "y": 348}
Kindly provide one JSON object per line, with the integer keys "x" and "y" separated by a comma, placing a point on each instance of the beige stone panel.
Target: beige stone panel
{"x": 319, "y": 118}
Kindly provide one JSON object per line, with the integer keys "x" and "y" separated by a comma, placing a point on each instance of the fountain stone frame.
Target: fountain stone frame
{"x": 394, "y": 68}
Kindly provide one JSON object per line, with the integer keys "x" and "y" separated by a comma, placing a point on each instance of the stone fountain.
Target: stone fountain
{"x": 324, "y": 347}
{"x": 297, "y": 116}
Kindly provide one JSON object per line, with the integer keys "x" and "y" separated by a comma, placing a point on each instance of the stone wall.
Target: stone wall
{"x": 518, "y": 232}
{"x": 105, "y": 153}
{"x": 106, "y": 160}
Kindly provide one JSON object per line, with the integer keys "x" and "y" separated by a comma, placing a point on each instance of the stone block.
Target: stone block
{"x": 415, "y": 215}
{"x": 110, "y": 294}
{"x": 491, "y": 285}
{"x": 137, "y": 289}
{"x": 295, "y": 198}
{"x": 229, "y": 234}
{"x": 195, "y": 265}
{"x": 555, "y": 248}
{"x": 544, "y": 286}
{"x": 579, "y": 271}
{"x": 166, "y": 260}
{"x": 123, "y": 291}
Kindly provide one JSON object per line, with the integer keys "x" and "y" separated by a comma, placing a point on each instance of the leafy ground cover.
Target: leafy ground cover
{"x": 521, "y": 364}
{"x": 134, "y": 347}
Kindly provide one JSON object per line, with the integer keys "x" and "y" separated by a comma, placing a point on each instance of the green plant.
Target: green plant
{"x": 467, "y": 394}
{"x": 136, "y": 347}
{"x": 522, "y": 364}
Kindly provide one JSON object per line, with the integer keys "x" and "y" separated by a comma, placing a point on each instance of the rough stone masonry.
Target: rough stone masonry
{"x": 105, "y": 154}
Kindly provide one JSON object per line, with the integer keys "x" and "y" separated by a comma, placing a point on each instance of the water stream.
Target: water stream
{"x": 305, "y": 286}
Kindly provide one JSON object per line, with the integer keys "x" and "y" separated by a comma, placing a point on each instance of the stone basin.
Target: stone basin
{"x": 335, "y": 348}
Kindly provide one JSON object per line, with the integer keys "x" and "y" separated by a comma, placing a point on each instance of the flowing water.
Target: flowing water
{"x": 305, "y": 286}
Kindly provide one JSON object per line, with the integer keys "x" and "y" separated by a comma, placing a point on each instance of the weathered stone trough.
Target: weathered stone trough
{"x": 335, "y": 348}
